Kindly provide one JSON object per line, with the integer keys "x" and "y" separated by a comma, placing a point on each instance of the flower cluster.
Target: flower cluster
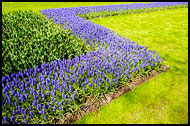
{"x": 53, "y": 88}
{"x": 95, "y": 34}
{"x": 45, "y": 43}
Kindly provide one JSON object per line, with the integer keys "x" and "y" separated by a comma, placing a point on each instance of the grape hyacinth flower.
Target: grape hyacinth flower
{"x": 115, "y": 58}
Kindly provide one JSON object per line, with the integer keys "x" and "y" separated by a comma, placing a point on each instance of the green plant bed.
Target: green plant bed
{"x": 163, "y": 99}
{"x": 29, "y": 40}
{"x": 93, "y": 102}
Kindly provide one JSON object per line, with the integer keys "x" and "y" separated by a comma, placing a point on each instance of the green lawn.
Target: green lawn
{"x": 36, "y": 6}
{"x": 163, "y": 99}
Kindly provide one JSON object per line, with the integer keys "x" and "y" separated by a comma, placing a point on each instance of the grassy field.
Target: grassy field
{"x": 163, "y": 99}
{"x": 36, "y": 6}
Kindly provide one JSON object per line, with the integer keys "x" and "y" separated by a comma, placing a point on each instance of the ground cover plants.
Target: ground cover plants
{"x": 59, "y": 88}
{"x": 29, "y": 39}
{"x": 98, "y": 12}
{"x": 36, "y": 6}
{"x": 163, "y": 99}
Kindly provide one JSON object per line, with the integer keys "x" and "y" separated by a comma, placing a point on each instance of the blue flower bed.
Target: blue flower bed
{"x": 54, "y": 89}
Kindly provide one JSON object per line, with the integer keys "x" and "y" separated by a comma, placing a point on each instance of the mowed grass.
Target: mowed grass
{"x": 163, "y": 99}
{"x": 36, "y": 6}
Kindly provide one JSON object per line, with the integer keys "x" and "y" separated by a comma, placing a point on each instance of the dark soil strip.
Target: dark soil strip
{"x": 93, "y": 104}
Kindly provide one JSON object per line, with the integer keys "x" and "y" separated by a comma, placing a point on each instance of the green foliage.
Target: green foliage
{"x": 163, "y": 99}
{"x": 29, "y": 39}
{"x": 36, "y": 6}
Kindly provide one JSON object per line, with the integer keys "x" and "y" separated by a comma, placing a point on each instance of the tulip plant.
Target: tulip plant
{"x": 52, "y": 89}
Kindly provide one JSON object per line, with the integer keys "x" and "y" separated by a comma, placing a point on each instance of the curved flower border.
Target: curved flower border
{"x": 55, "y": 87}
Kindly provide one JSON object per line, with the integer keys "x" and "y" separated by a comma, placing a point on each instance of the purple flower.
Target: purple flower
{"x": 73, "y": 96}
{"x": 70, "y": 91}
{"x": 42, "y": 95}
{"x": 55, "y": 107}
{"x": 26, "y": 96}
{"x": 106, "y": 86}
{"x": 30, "y": 117}
{"x": 24, "y": 116}
{"x": 15, "y": 103}
{"x": 44, "y": 111}
{"x": 41, "y": 112}
{"x": 96, "y": 86}
{"x": 13, "y": 118}
{"x": 14, "y": 113}
{"x": 119, "y": 59}
{"x": 31, "y": 113}
{"x": 110, "y": 83}
{"x": 19, "y": 108}
{"x": 25, "y": 112}
{"x": 44, "y": 106}
{"x": 38, "y": 92}
{"x": 53, "y": 99}
{"x": 5, "y": 119}
{"x": 25, "y": 121}
{"x": 84, "y": 88}
{"x": 22, "y": 110}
